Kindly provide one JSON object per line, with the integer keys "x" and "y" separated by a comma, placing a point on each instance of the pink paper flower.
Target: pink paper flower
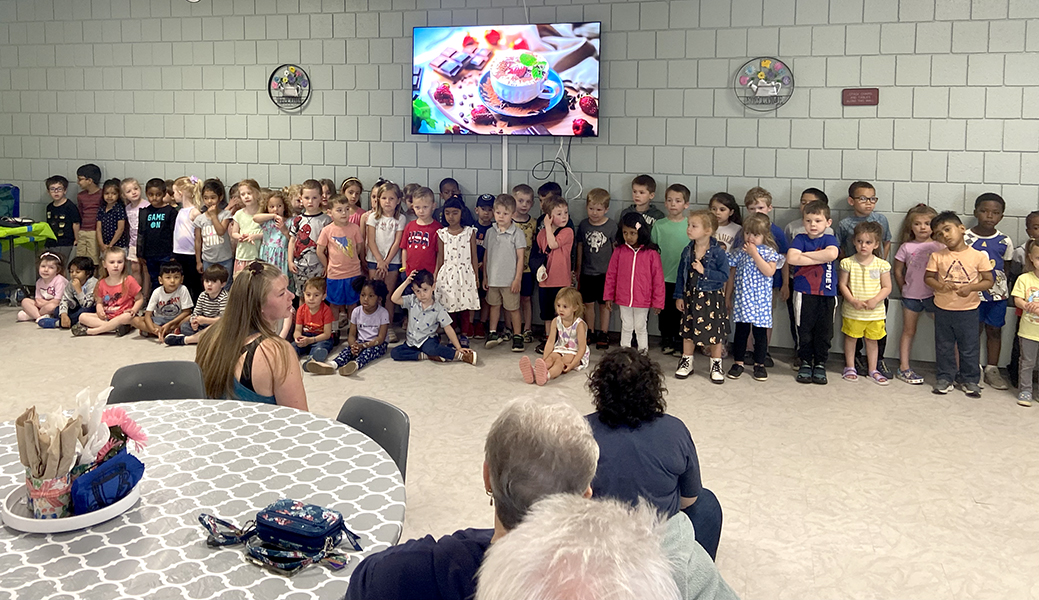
{"x": 117, "y": 417}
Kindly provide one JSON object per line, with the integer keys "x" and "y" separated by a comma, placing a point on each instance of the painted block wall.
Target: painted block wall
{"x": 165, "y": 88}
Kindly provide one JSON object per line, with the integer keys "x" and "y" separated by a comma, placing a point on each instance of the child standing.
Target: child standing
{"x": 554, "y": 241}
{"x": 984, "y": 237}
{"x": 1018, "y": 265}
{"x": 155, "y": 238}
{"x": 212, "y": 244}
{"x": 566, "y": 349}
{"x": 424, "y": 316}
{"x": 862, "y": 197}
{"x": 699, "y": 294}
{"x": 793, "y": 229}
{"x": 79, "y": 293}
{"x": 813, "y": 255}
{"x": 117, "y": 297}
{"x": 169, "y": 306}
{"x": 504, "y": 247}
{"x": 272, "y": 218}
{"x": 456, "y": 269}
{"x": 134, "y": 200}
{"x": 352, "y": 188}
{"x": 956, "y": 273}
{"x": 1026, "y": 298}
{"x": 484, "y": 221}
{"x": 864, "y": 282}
{"x": 369, "y": 324}
{"x": 419, "y": 242}
{"x": 244, "y": 230}
{"x": 303, "y": 235}
{"x": 759, "y": 200}
{"x": 385, "y": 229}
{"x": 643, "y": 190}
{"x": 524, "y": 195}
{"x": 88, "y": 200}
{"x": 314, "y": 321}
{"x": 63, "y": 217}
{"x": 111, "y": 218}
{"x": 670, "y": 236}
{"x": 634, "y": 279}
{"x": 50, "y": 288}
{"x": 208, "y": 309}
{"x": 187, "y": 194}
{"x": 753, "y": 267}
{"x": 730, "y": 221}
{"x": 915, "y": 249}
{"x": 339, "y": 250}
{"x": 595, "y": 238}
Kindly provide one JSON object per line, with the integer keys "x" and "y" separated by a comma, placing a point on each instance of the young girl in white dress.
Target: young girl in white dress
{"x": 456, "y": 269}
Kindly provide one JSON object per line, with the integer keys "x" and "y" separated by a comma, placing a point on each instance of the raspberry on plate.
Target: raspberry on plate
{"x": 582, "y": 127}
{"x": 443, "y": 95}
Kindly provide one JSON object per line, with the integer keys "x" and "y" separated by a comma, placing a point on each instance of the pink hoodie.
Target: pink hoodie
{"x": 635, "y": 278}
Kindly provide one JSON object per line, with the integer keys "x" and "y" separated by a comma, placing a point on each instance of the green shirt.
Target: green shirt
{"x": 672, "y": 239}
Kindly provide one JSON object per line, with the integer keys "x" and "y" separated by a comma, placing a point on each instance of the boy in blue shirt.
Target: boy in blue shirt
{"x": 988, "y": 210}
{"x": 813, "y": 256}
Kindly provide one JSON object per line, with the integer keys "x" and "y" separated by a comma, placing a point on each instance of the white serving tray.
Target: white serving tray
{"x": 15, "y": 513}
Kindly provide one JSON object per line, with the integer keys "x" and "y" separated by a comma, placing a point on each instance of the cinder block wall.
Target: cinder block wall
{"x": 165, "y": 88}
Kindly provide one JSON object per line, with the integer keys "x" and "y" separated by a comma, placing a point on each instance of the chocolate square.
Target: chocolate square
{"x": 532, "y": 130}
{"x": 416, "y": 78}
{"x": 479, "y": 59}
{"x": 458, "y": 56}
{"x": 446, "y": 66}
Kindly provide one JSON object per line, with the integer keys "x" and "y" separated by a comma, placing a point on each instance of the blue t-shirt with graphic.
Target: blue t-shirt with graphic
{"x": 816, "y": 280}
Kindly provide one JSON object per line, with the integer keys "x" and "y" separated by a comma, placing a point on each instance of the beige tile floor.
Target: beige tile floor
{"x": 842, "y": 491}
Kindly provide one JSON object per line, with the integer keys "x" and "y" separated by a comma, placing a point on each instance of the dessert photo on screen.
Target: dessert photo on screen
{"x": 506, "y": 80}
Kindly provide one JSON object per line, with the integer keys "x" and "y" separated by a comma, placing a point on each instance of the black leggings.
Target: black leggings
{"x": 739, "y": 343}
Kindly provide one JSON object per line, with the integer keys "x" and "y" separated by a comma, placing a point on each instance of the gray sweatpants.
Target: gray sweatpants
{"x": 1029, "y": 353}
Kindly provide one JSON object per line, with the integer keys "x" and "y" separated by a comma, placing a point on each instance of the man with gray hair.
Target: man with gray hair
{"x": 533, "y": 450}
{"x": 570, "y": 547}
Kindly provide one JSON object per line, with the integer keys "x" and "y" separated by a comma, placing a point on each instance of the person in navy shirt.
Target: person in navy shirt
{"x": 533, "y": 450}
{"x": 813, "y": 256}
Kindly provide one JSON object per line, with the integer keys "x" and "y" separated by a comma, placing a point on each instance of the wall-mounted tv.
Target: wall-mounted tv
{"x": 538, "y": 79}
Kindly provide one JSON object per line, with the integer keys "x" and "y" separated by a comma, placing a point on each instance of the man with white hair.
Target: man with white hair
{"x": 570, "y": 547}
{"x": 533, "y": 450}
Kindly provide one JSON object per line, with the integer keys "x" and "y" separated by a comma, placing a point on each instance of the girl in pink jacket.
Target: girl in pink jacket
{"x": 635, "y": 279}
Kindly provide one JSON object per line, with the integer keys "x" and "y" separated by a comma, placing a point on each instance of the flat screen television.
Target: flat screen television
{"x": 538, "y": 79}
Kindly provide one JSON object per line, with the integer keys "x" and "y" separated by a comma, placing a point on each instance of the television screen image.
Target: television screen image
{"x": 506, "y": 80}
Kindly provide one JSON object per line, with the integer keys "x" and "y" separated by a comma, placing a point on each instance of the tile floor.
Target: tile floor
{"x": 838, "y": 491}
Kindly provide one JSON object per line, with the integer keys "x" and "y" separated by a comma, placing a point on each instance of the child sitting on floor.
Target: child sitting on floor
{"x": 208, "y": 309}
{"x": 424, "y": 315}
{"x": 567, "y": 346}
{"x": 169, "y": 305}
{"x": 369, "y": 324}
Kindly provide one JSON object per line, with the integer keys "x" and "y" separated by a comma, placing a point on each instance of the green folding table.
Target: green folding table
{"x": 25, "y": 236}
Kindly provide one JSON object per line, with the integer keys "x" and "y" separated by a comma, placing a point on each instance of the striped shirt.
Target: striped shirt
{"x": 864, "y": 283}
{"x": 210, "y": 308}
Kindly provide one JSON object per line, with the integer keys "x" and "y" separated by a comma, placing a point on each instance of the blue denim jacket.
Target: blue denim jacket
{"x": 715, "y": 269}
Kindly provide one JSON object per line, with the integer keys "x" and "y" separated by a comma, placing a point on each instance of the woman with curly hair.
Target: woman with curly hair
{"x": 643, "y": 452}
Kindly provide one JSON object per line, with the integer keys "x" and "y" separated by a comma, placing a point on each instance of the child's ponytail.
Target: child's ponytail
{"x": 192, "y": 188}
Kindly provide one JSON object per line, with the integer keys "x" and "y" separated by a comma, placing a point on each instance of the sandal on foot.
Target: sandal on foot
{"x": 878, "y": 377}
{"x": 850, "y": 374}
{"x": 526, "y": 369}
{"x": 540, "y": 371}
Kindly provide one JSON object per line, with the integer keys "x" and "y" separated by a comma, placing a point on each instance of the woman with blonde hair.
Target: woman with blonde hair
{"x": 242, "y": 356}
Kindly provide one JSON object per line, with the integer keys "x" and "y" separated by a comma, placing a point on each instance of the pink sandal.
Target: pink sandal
{"x": 878, "y": 377}
{"x": 540, "y": 371}
{"x": 526, "y": 369}
{"x": 850, "y": 374}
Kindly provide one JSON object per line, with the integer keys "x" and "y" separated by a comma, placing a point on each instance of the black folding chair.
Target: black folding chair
{"x": 164, "y": 380}
{"x": 388, "y": 425}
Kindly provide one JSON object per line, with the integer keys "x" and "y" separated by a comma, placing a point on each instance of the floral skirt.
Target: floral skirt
{"x": 705, "y": 320}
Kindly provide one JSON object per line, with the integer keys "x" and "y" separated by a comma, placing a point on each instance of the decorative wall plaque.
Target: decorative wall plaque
{"x": 763, "y": 84}
{"x": 289, "y": 87}
{"x": 860, "y": 97}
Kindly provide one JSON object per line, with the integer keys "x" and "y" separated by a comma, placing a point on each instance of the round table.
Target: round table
{"x": 226, "y": 458}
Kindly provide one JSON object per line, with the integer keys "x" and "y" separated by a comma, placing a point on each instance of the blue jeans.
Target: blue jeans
{"x": 74, "y": 314}
{"x": 706, "y": 515}
{"x": 325, "y": 345}
{"x": 185, "y": 327}
{"x": 430, "y": 347}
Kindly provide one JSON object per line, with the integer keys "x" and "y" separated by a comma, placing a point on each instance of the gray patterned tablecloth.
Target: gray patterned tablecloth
{"x": 226, "y": 458}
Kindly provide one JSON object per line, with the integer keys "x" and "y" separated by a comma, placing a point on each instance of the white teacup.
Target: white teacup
{"x": 521, "y": 90}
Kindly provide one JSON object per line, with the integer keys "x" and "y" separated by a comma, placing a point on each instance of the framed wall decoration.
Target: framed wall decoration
{"x": 289, "y": 87}
{"x": 763, "y": 84}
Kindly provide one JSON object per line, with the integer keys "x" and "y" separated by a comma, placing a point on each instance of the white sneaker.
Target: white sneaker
{"x": 994, "y": 378}
{"x": 685, "y": 367}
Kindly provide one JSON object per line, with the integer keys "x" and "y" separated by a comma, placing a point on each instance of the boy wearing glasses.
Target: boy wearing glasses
{"x": 63, "y": 217}
{"x": 862, "y": 197}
